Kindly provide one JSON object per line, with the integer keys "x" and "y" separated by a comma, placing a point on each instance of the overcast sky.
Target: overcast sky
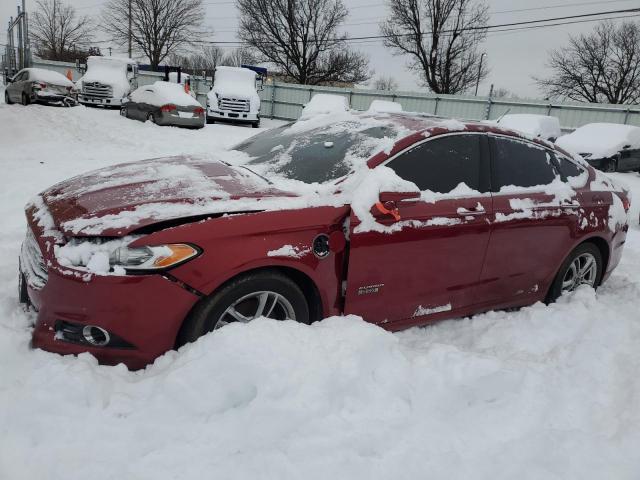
{"x": 514, "y": 57}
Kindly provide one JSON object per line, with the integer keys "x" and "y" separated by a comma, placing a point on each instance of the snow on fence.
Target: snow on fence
{"x": 285, "y": 101}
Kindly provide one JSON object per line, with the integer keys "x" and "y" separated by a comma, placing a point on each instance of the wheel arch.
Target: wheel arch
{"x": 304, "y": 281}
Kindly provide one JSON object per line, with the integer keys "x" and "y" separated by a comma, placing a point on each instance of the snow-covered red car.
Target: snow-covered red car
{"x": 401, "y": 219}
{"x": 610, "y": 147}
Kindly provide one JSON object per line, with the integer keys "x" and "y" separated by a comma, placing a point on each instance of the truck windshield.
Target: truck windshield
{"x": 314, "y": 156}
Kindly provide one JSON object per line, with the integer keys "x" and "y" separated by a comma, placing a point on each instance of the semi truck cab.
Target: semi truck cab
{"x": 107, "y": 81}
{"x": 234, "y": 95}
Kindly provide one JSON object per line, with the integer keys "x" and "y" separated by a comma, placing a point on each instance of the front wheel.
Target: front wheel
{"x": 7, "y": 99}
{"x": 583, "y": 266}
{"x": 255, "y": 124}
{"x": 262, "y": 294}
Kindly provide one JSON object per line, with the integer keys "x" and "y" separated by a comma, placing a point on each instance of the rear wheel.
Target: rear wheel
{"x": 151, "y": 117}
{"x": 583, "y": 266}
{"x": 7, "y": 99}
{"x": 262, "y": 294}
{"x": 25, "y": 99}
{"x": 123, "y": 111}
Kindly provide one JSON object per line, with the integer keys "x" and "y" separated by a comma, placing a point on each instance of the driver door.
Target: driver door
{"x": 430, "y": 267}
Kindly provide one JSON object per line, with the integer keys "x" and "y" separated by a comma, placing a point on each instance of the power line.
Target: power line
{"x": 488, "y": 27}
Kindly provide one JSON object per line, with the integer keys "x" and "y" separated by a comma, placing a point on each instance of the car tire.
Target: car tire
{"x": 151, "y": 118}
{"x": 123, "y": 112}
{"x": 25, "y": 99}
{"x": 572, "y": 266}
{"x": 245, "y": 293}
{"x": 7, "y": 99}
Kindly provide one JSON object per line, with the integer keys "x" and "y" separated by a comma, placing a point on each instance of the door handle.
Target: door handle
{"x": 477, "y": 210}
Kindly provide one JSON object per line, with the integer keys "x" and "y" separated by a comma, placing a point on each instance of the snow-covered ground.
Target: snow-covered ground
{"x": 544, "y": 392}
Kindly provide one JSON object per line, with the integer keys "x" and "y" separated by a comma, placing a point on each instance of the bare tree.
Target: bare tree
{"x": 603, "y": 66}
{"x": 158, "y": 27}
{"x": 502, "y": 92}
{"x": 301, "y": 39}
{"x": 385, "y": 83}
{"x": 240, "y": 56}
{"x": 205, "y": 60}
{"x": 441, "y": 38}
{"x": 57, "y": 33}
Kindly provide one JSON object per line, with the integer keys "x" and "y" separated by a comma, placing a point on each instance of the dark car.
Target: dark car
{"x": 400, "y": 219}
{"x": 610, "y": 147}
{"x": 164, "y": 103}
{"x": 32, "y": 85}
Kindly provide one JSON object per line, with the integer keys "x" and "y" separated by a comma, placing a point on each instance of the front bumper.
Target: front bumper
{"x": 143, "y": 312}
{"x": 249, "y": 117}
{"x": 108, "y": 102}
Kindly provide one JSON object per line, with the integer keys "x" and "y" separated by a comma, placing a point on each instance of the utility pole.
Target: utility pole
{"x": 479, "y": 72}
{"x": 109, "y": 50}
{"x": 129, "y": 29}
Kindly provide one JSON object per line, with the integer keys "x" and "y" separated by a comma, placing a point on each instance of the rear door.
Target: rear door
{"x": 428, "y": 267}
{"x": 533, "y": 223}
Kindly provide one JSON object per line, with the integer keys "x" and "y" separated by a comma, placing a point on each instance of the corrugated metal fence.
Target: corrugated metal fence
{"x": 285, "y": 101}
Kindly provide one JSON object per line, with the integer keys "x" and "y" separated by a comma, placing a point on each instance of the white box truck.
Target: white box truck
{"x": 234, "y": 96}
{"x": 107, "y": 81}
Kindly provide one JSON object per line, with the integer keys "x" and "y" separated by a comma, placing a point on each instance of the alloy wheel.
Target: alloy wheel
{"x": 257, "y": 304}
{"x": 583, "y": 270}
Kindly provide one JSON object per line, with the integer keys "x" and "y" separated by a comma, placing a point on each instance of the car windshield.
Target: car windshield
{"x": 317, "y": 155}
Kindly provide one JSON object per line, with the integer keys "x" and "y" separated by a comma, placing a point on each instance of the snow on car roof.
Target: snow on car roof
{"x": 542, "y": 126}
{"x": 384, "y": 106}
{"x": 601, "y": 140}
{"x": 48, "y": 76}
{"x": 325, "y": 104}
{"x": 162, "y": 93}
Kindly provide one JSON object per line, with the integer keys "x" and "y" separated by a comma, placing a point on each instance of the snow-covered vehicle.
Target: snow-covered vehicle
{"x": 324, "y": 104}
{"x": 400, "y": 219}
{"x": 234, "y": 96}
{"x": 537, "y": 126}
{"x": 384, "y": 106}
{"x": 610, "y": 147}
{"x": 164, "y": 103}
{"x": 107, "y": 81}
{"x": 31, "y": 85}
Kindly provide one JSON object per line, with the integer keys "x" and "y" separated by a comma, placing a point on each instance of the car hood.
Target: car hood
{"x": 119, "y": 200}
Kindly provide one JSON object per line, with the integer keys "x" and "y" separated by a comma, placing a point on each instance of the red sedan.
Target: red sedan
{"x": 403, "y": 220}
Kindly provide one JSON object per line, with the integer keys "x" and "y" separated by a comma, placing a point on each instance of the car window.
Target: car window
{"x": 441, "y": 164}
{"x": 520, "y": 164}
{"x": 19, "y": 77}
{"x": 567, "y": 167}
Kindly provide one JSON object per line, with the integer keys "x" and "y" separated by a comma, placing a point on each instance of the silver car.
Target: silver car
{"x": 32, "y": 85}
{"x": 164, "y": 103}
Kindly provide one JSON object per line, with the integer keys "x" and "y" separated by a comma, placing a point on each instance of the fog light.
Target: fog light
{"x": 95, "y": 335}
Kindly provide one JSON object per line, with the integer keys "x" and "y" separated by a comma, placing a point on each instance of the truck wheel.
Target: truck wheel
{"x": 261, "y": 294}
{"x": 255, "y": 124}
{"x": 210, "y": 120}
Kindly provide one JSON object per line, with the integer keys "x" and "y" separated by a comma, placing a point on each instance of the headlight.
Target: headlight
{"x": 152, "y": 258}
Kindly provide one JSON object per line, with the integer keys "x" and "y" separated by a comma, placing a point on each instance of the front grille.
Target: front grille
{"x": 32, "y": 263}
{"x": 234, "y": 104}
{"x": 97, "y": 90}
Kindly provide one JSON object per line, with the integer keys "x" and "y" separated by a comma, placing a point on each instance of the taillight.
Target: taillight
{"x": 198, "y": 111}
{"x": 168, "y": 108}
{"x": 626, "y": 203}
